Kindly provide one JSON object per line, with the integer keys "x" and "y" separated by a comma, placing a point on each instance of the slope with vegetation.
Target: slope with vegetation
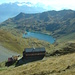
{"x": 60, "y": 24}
{"x": 15, "y": 42}
{"x": 62, "y": 65}
{"x": 56, "y": 23}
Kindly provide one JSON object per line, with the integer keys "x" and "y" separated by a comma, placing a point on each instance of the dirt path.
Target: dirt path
{"x": 5, "y": 53}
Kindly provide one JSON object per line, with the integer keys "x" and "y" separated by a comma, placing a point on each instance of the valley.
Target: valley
{"x": 56, "y": 23}
{"x": 59, "y": 58}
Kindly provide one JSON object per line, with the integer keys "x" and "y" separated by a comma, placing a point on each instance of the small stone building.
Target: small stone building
{"x": 34, "y": 53}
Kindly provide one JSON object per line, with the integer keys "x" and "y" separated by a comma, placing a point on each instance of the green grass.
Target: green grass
{"x": 56, "y": 65}
{"x": 60, "y": 65}
{"x": 14, "y": 41}
{"x": 65, "y": 38}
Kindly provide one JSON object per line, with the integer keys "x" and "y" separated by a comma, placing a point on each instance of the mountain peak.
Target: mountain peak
{"x": 12, "y": 9}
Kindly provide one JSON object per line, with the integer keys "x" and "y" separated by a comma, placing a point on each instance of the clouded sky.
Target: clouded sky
{"x": 55, "y": 4}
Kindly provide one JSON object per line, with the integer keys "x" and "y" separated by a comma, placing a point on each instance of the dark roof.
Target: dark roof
{"x": 34, "y": 49}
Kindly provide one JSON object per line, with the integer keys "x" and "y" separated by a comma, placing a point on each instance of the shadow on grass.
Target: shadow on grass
{"x": 8, "y": 64}
{"x": 27, "y": 60}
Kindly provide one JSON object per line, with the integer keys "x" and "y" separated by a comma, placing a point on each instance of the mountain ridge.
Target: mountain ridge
{"x": 56, "y": 23}
{"x": 53, "y": 22}
{"x": 8, "y": 10}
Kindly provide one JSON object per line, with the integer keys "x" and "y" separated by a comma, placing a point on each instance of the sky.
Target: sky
{"x": 54, "y": 4}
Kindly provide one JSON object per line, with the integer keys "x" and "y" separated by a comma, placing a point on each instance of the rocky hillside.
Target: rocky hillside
{"x": 56, "y": 23}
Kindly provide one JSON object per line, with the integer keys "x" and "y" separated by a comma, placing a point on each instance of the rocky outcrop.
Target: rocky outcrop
{"x": 70, "y": 48}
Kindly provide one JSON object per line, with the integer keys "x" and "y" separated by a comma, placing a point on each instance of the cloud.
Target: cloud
{"x": 55, "y": 4}
{"x": 62, "y": 4}
{"x": 25, "y": 3}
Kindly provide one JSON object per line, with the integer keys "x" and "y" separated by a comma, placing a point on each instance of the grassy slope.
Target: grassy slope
{"x": 65, "y": 38}
{"x": 9, "y": 41}
{"x": 57, "y": 65}
{"x": 17, "y": 43}
{"x": 61, "y": 65}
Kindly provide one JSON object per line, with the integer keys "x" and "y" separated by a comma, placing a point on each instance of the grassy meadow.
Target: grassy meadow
{"x": 58, "y": 65}
{"x": 52, "y": 65}
{"x": 14, "y": 41}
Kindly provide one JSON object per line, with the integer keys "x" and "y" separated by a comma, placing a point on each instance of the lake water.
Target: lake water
{"x": 40, "y": 36}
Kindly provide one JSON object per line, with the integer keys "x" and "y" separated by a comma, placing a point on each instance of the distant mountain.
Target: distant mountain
{"x": 8, "y": 10}
{"x": 53, "y": 22}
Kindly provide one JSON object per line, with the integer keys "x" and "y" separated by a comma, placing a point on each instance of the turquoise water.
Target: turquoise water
{"x": 40, "y": 36}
